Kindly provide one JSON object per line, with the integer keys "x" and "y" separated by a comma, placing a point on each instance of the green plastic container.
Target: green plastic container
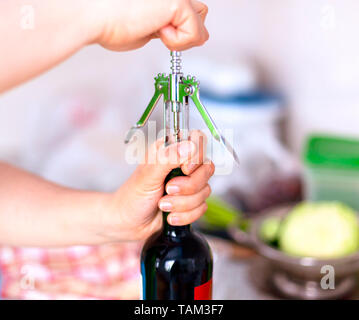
{"x": 332, "y": 169}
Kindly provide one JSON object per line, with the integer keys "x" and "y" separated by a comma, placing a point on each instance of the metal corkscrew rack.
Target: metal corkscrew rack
{"x": 176, "y": 91}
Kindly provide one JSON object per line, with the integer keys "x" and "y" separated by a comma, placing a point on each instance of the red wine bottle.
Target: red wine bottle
{"x": 176, "y": 262}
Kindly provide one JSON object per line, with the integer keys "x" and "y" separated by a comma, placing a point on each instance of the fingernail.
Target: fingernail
{"x": 172, "y": 189}
{"x": 174, "y": 220}
{"x": 165, "y": 206}
{"x": 186, "y": 148}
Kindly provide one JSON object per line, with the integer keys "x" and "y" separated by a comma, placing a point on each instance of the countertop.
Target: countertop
{"x": 240, "y": 274}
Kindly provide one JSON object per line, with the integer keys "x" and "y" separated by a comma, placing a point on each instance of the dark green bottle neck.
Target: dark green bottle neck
{"x": 174, "y": 232}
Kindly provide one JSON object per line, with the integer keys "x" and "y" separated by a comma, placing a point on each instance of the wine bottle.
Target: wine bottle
{"x": 176, "y": 262}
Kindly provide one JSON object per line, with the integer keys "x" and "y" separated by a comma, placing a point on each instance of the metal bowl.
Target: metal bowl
{"x": 299, "y": 277}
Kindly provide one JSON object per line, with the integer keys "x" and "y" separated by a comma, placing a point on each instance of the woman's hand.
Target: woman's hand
{"x": 130, "y": 24}
{"x": 51, "y": 215}
{"x": 133, "y": 211}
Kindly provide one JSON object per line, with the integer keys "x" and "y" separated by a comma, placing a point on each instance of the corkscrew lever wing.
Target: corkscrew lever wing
{"x": 192, "y": 89}
{"x": 161, "y": 88}
{"x": 213, "y": 128}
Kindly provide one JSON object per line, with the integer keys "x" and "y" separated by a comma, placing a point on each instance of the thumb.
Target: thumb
{"x": 160, "y": 160}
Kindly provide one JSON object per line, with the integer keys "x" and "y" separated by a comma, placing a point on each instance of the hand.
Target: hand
{"x": 133, "y": 210}
{"x": 129, "y": 24}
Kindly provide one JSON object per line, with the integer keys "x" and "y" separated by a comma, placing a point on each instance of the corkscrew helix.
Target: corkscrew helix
{"x": 176, "y": 90}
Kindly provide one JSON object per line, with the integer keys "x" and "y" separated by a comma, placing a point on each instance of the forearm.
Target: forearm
{"x": 35, "y": 212}
{"x": 61, "y": 27}
{"x": 38, "y": 34}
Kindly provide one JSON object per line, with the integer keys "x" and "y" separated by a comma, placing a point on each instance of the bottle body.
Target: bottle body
{"x": 177, "y": 266}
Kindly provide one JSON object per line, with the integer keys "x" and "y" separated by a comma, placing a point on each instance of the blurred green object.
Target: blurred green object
{"x": 220, "y": 214}
{"x": 319, "y": 230}
{"x": 269, "y": 230}
{"x": 332, "y": 152}
{"x": 332, "y": 169}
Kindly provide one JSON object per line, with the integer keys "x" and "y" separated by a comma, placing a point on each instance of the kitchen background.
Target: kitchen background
{"x": 281, "y": 69}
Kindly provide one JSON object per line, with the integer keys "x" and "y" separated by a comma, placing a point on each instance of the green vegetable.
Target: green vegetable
{"x": 269, "y": 229}
{"x": 320, "y": 230}
{"x": 219, "y": 214}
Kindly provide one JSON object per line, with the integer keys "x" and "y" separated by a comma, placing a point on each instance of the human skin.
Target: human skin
{"x": 36, "y": 212}
{"x": 62, "y": 27}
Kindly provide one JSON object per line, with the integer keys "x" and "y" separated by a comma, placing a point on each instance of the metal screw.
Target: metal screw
{"x": 189, "y": 90}
{"x": 176, "y": 62}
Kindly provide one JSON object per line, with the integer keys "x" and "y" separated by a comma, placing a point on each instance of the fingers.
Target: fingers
{"x": 188, "y": 217}
{"x": 193, "y": 183}
{"x": 184, "y": 203}
{"x": 187, "y": 195}
{"x": 200, "y": 140}
{"x": 160, "y": 160}
{"x": 200, "y": 8}
{"x": 186, "y": 28}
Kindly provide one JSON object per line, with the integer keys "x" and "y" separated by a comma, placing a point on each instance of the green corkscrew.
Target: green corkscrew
{"x": 176, "y": 91}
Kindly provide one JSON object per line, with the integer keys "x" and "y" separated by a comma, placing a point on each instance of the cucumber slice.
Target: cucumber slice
{"x": 320, "y": 230}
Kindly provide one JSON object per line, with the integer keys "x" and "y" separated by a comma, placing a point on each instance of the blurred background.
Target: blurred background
{"x": 278, "y": 73}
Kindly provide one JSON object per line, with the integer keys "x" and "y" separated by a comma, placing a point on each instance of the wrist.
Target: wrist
{"x": 84, "y": 224}
{"x": 108, "y": 224}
